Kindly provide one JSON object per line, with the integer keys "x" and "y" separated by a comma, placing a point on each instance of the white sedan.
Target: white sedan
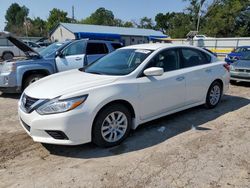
{"x": 133, "y": 85}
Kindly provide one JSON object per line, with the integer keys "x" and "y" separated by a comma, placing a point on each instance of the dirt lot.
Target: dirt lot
{"x": 194, "y": 148}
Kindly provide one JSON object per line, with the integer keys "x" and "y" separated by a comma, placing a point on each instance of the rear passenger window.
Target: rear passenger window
{"x": 96, "y": 48}
{"x": 116, "y": 45}
{"x": 193, "y": 57}
{"x": 168, "y": 60}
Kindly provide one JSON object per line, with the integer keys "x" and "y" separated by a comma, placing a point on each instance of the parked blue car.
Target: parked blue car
{"x": 237, "y": 54}
{"x": 17, "y": 74}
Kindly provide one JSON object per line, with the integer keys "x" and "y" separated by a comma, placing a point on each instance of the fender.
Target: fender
{"x": 22, "y": 69}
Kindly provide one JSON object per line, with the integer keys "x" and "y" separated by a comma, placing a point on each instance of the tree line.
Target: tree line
{"x": 217, "y": 18}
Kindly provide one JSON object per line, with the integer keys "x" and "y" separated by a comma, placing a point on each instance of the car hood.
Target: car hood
{"x": 65, "y": 83}
{"x": 242, "y": 64}
{"x": 22, "y": 46}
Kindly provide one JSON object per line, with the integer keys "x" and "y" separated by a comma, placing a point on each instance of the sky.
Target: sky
{"x": 124, "y": 9}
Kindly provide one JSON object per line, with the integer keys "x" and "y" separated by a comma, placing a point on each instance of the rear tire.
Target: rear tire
{"x": 111, "y": 126}
{"x": 7, "y": 56}
{"x": 31, "y": 79}
{"x": 214, "y": 95}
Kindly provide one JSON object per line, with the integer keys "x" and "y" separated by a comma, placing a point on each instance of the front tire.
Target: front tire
{"x": 31, "y": 79}
{"x": 111, "y": 126}
{"x": 214, "y": 95}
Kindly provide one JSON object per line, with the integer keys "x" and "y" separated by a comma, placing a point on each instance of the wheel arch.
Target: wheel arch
{"x": 7, "y": 52}
{"x": 118, "y": 101}
{"x": 35, "y": 71}
{"x": 220, "y": 81}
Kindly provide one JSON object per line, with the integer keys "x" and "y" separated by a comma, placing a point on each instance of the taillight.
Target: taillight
{"x": 227, "y": 67}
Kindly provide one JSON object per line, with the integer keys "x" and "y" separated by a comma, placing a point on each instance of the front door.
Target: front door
{"x": 165, "y": 93}
{"x": 72, "y": 57}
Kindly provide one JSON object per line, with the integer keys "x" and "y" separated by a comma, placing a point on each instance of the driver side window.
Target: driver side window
{"x": 76, "y": 48}
{"x": 167, "y": 59}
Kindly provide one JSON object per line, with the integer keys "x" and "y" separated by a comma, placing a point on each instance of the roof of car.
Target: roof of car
{"x": 101, "y": 41}
{"x": 243, "y": 46}
{"x": 154, "y": 46}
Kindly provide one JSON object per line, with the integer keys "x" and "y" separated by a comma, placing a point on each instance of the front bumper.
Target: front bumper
{"x": 10, "y": 89}
{"x": 8, "y": 83}
{"x": 240, "y": 76}
{"x": 76, "y": 125}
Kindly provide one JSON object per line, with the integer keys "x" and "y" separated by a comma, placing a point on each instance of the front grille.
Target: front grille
{"x": 59, "y": 135}
{"x": 242, "y": 70}
{"x": 27, "y": 127}
{"x": 29, "y": 102}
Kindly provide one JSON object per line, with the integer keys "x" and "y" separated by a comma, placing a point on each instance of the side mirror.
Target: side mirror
{"x": 59, "y": 54}
{"x": 153, "y": 71}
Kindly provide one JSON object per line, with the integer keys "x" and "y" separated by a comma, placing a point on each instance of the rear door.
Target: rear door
{"x": 95, "y": 50}
{"x": 72, "y": 57}
{"x": 198, "y": 73}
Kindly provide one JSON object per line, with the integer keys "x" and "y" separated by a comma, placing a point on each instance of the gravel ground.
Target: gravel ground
{"x": 193, "y": 148}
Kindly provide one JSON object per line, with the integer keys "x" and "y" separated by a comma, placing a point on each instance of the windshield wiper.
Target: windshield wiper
{"x": 94, "y": 72}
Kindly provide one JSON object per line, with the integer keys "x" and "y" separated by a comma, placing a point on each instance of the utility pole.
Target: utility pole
{"x": 26, "y": 26}
{"x": 199, "y": 15}
{"x": 73, "y": 14}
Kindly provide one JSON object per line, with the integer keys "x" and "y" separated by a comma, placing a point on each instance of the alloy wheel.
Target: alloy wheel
{"x": 214, "y": 95}
{"x": 114, "y": 126}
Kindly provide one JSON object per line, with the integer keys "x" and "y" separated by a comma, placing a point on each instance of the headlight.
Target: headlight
{"x": 8, "y": 67}
{"x": 56, "y": 106}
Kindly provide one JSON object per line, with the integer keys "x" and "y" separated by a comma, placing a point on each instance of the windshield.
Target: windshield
{"x": 120, "y": 62}
{"x": 50, "y": 49}
{"x": 241, "y": 49}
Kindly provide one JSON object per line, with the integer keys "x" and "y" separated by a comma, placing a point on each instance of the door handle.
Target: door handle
{"x": 78, "y": 59}
{"x": 179, "y": 79}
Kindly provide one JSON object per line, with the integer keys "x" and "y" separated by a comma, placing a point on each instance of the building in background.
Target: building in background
{"x": 128, "y": 36}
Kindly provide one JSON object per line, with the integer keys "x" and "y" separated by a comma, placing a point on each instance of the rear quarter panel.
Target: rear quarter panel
{"x": 220, "y": 72}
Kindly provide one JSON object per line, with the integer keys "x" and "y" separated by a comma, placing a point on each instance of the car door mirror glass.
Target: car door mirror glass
{"x": 59, "y": 54}
{"x": 153, "y": 71}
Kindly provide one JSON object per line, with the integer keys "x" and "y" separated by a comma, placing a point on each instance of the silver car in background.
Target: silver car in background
{"x": 240, "y": 70}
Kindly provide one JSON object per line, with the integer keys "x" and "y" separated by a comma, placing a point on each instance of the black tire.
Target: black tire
{"x": 97, "y": 136}
{"x": 209, "y": 104}
{"x": 7, "y": 56}
{"x": 31, "y": 79}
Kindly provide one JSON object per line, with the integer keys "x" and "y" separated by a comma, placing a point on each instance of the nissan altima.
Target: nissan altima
{"x": 133, "y": 85}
